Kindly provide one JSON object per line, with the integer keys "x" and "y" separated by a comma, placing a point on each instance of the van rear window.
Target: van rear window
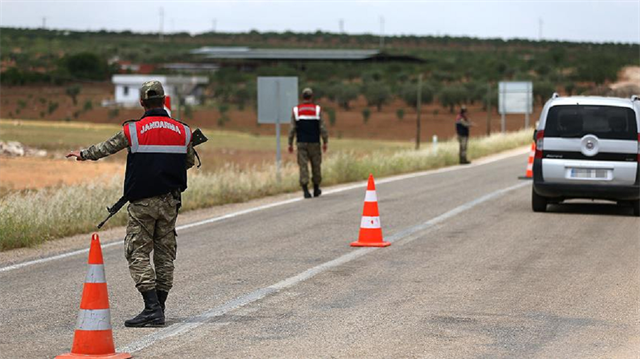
{"x": 607, "y": 122}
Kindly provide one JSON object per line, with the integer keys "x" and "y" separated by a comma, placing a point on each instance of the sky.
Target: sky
{"x": 570, "y": 20}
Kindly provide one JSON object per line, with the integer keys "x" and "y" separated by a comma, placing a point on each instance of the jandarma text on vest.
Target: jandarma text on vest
{"x": 160, "y": 124}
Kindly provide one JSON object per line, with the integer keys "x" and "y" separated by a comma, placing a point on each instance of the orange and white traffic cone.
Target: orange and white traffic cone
{"x": 529, "y": 173}
{"x": 370, "y": 230}
{"x": 93, "y": 337}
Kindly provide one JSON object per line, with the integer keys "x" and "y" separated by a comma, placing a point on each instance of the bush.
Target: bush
{"x": 377, "y": 94}
{"x": 86, "y": 66}
{"x": 342, "y": 94}
{"x": 242, "y": 97}
{"x": 53, "y": 106}
{"x": 113, "y": 113}
{"x": 542, "y": 90}
{"x": 409, "y": 94}
{"x": 332, "y": 115}
{"x": 73, "y": 91}
{"x": 400, "y": 113}
{"x": 451, "y": 96}
{"x": 223, "y": 108}
{"x": 366, "y": 113}
{"x": 188, "y": 111}
{"x": 88, "y": 106}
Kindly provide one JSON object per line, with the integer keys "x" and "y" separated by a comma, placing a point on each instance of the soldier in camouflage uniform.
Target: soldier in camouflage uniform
{"x": 155, "y": 177}
{"x": 308, "y": 127}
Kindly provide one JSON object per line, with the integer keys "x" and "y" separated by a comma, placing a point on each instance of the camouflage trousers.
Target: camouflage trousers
{"x": 310, "y": 152}
{"x": 151, "y": 228}
{"x": 464, "y": 141}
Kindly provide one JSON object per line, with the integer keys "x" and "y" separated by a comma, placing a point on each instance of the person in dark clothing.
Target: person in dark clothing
{"x": 462, "y": 129}
{"x": 159, "y": 153}
{"x": 308, "y": 127}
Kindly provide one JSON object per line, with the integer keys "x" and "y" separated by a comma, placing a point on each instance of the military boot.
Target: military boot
{"x": 305, "y": 190}
{"x": 162, "y": 298}
{"x": 152, "y": 314}
{"x": 316, "y": 190}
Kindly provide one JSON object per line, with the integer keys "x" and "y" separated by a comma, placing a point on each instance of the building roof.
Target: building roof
{"x": 246, "y": 53}
{"x": 137, "y": 80}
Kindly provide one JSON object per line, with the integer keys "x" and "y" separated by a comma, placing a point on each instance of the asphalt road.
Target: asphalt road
{"x": 472, "y": 273}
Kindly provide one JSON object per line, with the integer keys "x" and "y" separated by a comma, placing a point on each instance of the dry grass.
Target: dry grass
{"x": 31, "y": 217}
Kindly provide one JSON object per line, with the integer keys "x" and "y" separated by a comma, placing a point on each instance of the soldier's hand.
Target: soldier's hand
{"x": 76, "y": 154}
{"x": 290, "y": 149}
{"x": 324, "y": 147}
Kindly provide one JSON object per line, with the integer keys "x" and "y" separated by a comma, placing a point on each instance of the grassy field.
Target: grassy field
{"x": 31, "y": 217}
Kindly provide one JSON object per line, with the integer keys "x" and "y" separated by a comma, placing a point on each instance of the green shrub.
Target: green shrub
{"x": 73, "y": 92}
{"x": 88, "y": 106}
{"x": 113, "y": 113}
{"x": 53, "y": 106}
{"x": 377, "y": 94}
{"x": 409, "y": 94}
{"x": 332, "y": 115}
{"x": 400, "y": 113}
{"x": 366, "y": 113}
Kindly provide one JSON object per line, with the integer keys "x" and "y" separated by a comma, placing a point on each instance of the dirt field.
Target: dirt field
{"x": 20, "y": 173}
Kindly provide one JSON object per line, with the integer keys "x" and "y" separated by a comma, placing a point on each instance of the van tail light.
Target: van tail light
{"x": 540, "y": 143}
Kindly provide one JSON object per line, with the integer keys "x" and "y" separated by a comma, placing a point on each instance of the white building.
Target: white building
{"x": 127, "y": 88}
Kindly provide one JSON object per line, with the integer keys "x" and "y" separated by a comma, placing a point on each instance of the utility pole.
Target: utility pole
{"x": 381, "y": 32}
{"x": 44, "y": 22}
{"x": 540, "y": 23}
{"x": 419, "y": 102}
{"x": 341, "y": 25}
{"x": 214, "y": 23}
{"x": 161, "y": 33}
{"x": 489, "y": 109}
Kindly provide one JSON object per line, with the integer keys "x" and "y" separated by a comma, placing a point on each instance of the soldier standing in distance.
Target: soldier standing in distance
{"x": 462, "y": 129}
{"x": 159, "y": 154}
{"x": 308, "y": 127}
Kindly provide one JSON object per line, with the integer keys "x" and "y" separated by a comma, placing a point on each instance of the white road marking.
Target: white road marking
{"x": 480, "y": 162}
{"x": 196, "y": 321}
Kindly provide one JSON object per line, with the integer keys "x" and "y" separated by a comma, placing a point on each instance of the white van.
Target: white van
{"x": 587, "y": 147}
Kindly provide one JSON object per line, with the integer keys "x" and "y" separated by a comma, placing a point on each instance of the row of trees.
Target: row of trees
{"x": 377, "y": 94}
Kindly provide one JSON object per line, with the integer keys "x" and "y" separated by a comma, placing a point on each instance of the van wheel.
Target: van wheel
{"x": 538, "y": 203}
{"x": 636, "y": 208}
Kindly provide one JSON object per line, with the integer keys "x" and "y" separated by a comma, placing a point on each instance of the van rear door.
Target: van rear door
{"x": 590, "y": 144}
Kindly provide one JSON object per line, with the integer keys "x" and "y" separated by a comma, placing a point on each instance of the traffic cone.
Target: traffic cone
{"x": 529, "y": 173}
{"x": 93, "y": 338}
{"x": 167, "y": 104}
{"x": 370, "y": 230}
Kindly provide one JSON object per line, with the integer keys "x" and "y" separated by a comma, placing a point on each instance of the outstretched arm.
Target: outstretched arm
{"x": 102, "y": 149}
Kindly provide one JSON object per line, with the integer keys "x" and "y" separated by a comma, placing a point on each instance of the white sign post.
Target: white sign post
{"x": 276, "y": 98}
{"x": 515, "y": 97}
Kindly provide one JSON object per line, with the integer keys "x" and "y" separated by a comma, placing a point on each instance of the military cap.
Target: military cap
{"x": 151, "y": 89}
